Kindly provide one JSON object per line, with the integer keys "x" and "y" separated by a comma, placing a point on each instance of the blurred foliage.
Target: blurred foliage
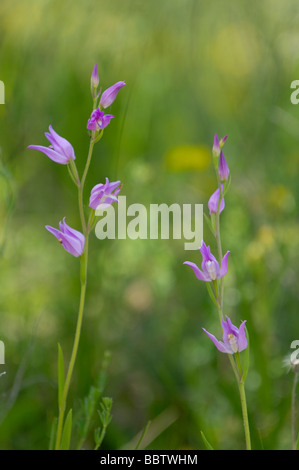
{"x": 192, "y": 68}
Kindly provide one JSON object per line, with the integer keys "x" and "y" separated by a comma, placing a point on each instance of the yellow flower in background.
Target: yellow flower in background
{"x": 188, "y": 157}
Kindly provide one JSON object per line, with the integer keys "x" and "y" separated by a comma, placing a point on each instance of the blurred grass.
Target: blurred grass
{"x": 192, "y": 68}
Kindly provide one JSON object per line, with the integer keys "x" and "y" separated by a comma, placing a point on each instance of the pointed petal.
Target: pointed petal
{"x": 56, "y": 157}
{"x": 216, "y": 145}
{"x": 232, "y": 328}
{"x": 213, "y": 202}
{"x": 106, "y": 120}
{"x": 219, "y": 345}
{"x": 95, "y": 77}
{"x": 198, "y": 273}
{"x": 242, "y": 340}
{"x": 66, "y": 229}
{"x": 224, "y": 268}
{"x": 110, "y": 94}
{"x": 54, "y": 232}
{"x": 60, "y": 144}
{"x": 72, "y": 244}
{"x": 223, "y": 169}
{"x": 205, "y": 252}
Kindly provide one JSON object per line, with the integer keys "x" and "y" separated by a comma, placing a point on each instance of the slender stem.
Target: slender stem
{"x": 91, "y": 145}
{"x": 294, "y": 434}
{"x": 101, "y": 438}
{"x": 81, "y": 186}
{"x": 245, "y": 415}
{"x": 83, "y": 272}
{"x": 243, "y": 402}
{"x": 83, "y": 279}
{"x": 83, "y": 275}
{"x": 218, "y": 238}
{"x": 234, "y": 361}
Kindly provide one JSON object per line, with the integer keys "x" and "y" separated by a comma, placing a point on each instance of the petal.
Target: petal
{"x": 56, "y": 157}
{"x": 113, "y": 185}
{"x": 224, "y": 268}
{"x": 95, "y": 77}
{"x": 198, "y": 273}
{"x": 72, "y": 245}
{"x": 216, "y": 145}
{"x": 60, "y": 144}
{"x": 97, "y": 187}
{"x": 110, "y": 94}
{"x": 223, "y": 169}
{"x": 95, "y": 199}
{"x": 106, "y": 120}
{"x": 242, "y": 340}
{"x": 92, "y": 125}
{"x": 211, "y": 269}
{"x": 213, "y": 202}
{"x": 219, "y": 345}
{"x": 54, "y": 231}
{"x": 228, "y": 329}
{"x": 205, "y": 252}
{"x": 67, "y": 230}
{"x": 232, "y": 328}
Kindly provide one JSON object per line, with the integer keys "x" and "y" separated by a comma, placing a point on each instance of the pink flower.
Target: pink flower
{"x": 210, "y": 266}
{"x": 94, "y": 80}
{"x": 71, "y": 240}
{"x": 234, "y": 339}
{"x": 109, "y": 95}
{"x": 104, "y": 194}
{"x": 98, "y": 120}
{"x": 60, "y": 150}
{"x": 213, "y": 202}
{"x": 223, "y": 169}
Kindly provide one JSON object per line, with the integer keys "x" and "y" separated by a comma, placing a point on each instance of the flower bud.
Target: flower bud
{"x": 216, "y": 146}
{"x": 110, "y": 94}
{"x": 94, "y": 80}
{"x": 222, "y": 141}
{"x": 223, "y": 169}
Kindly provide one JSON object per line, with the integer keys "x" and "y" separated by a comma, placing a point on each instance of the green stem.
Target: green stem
{"x": 245, "y": 415}
{"x": 83, "y": 279}
{"x": 218, "y": 239}
{"x": 81, "y": 186}
{"x": 101, "y": 438}
{"x": 294, "y": 434}
{"x": 83, "y": 275}
{"x": 234, "y": 361}
{"x": 243, "y": 402}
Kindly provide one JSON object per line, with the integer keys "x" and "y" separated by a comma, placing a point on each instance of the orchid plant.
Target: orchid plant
{"x": 76, "y": 242}
{"x": 212, "y": 272}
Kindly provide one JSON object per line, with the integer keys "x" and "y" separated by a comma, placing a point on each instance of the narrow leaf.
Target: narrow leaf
{"x": 67, "y": 432}
{"x": 209, "y": 223}
{"x": 53, "y": 434}
{"x": 60, "y": 374}
{"x": 246, "y": 358}
{"x": 206, "y": 442}
{"x": 227, "y": 185}
{"x": 142, "y": 435}
{"x": 211, "y": 294}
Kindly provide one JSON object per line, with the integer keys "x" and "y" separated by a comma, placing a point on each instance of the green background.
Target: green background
{"x": 192, "y": 68}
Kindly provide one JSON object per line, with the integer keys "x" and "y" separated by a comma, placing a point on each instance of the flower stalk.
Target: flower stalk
{"x": 235, "y": 364}
{"x": 73, "y": 241}
{"x": 213, "y": 272}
